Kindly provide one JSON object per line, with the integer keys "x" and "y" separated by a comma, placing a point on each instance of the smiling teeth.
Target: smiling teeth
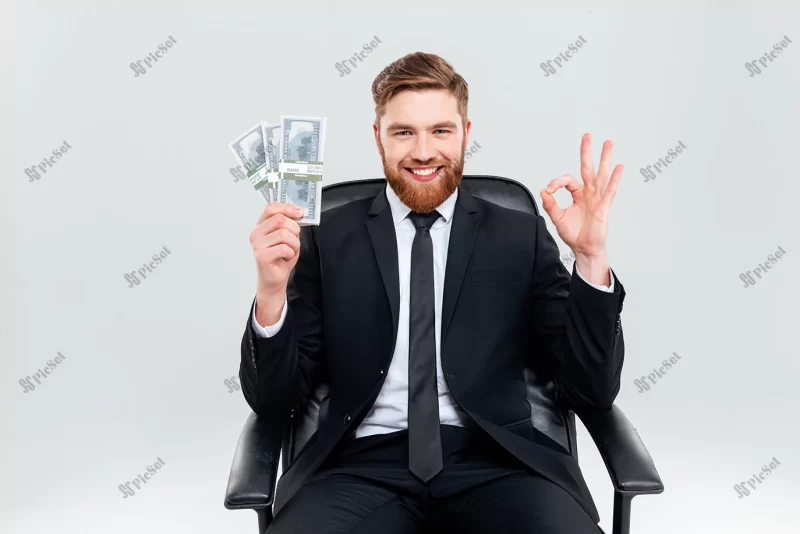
{"x": 427, "y": 172}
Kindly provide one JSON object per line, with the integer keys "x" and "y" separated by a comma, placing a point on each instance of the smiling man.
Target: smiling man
{"x": 421, "y": 307}
{"x": 422, "y": 170}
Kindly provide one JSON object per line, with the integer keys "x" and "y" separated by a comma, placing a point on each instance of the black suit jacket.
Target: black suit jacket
{"x": 508, "y": 303}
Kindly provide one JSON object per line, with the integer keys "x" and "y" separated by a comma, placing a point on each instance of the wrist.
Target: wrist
{"x": 594, "y": 269}
{"x": 269, "y": 307}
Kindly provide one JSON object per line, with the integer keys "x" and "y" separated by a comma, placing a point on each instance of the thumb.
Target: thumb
{"x": 550, "y": 206}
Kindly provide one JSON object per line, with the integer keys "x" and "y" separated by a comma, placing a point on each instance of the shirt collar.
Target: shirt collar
{"x": 400, "y": 211}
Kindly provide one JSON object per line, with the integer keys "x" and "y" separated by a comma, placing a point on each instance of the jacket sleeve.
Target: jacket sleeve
{"x": 576, "y": 328}
{"x": 276, "y": 372}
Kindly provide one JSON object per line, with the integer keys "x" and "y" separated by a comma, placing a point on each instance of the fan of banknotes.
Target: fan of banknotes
{"x": 284, "y": 162}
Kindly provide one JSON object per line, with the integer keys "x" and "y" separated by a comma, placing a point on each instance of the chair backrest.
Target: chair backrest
{"x": 555, "y": 422}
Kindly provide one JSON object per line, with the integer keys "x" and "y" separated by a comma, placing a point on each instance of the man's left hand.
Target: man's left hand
{"x": 584, "y": 225}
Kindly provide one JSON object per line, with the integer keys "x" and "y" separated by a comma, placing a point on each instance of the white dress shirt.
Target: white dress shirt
{"x": 390, "y": 411}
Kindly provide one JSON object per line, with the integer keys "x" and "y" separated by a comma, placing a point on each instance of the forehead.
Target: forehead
{"x": 421, "y": 108}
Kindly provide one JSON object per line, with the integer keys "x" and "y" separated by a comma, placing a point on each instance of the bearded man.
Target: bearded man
{"x": 422, "y": 306}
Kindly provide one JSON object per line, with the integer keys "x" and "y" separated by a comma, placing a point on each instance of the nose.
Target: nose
{"x": 424, "y": 149}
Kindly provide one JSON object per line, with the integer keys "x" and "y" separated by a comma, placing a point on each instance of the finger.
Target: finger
{"x": 587, "y": 167}
{"x": 611, "y": 188}
{"x": 275, "y": 222}
{"x": 278, "y": 252}
{"x": 570, "y": 182}
{"x": 605, "y": 164}
{"x": 550, "y": 206}
{"x": 272, "y": 224}
{"x": 290, "y": 210}
{"x": 281, "y": 236}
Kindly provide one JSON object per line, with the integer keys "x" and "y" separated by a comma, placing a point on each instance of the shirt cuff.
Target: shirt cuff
{"x": 271, "y": 330}
{"x": 607, "y": 289}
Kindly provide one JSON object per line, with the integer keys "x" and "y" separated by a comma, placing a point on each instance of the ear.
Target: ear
{"x": 377, "y": 134}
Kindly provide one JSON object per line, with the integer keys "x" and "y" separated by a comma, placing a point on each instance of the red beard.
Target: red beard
{"x": 424, "y": 197}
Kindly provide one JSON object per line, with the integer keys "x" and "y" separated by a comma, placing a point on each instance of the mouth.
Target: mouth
{"x": 424, "y": 174}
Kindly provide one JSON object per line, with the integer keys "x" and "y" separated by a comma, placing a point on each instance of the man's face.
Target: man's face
{"x": 422, "y": 142}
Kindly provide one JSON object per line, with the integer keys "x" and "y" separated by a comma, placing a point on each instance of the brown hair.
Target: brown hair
{"x": 415, "y": 72}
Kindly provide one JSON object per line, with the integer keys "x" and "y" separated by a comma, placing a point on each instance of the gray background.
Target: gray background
{"x": 150, "y": 166}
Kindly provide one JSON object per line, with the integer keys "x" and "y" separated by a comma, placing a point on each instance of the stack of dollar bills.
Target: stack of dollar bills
{"x": 284, "y": 162}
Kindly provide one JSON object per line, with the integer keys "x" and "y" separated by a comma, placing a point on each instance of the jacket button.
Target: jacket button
{"x": 346, "y": 418}
{"x": 381, "y": 371}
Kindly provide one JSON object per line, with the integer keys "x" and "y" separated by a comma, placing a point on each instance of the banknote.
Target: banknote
{"x": 302, "y": 146}
{"x": 248, "y": 149}
{"x": 272, "y": 138}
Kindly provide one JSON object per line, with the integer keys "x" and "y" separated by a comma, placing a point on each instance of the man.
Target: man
{"x": 421, "y": 308}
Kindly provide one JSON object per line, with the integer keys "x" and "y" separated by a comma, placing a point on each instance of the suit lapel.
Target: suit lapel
{"x": 380, "y": 226}
{"x": 466, "y": 220}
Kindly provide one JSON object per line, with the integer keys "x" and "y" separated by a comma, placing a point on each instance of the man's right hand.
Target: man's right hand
{"x": 276, "y": 246}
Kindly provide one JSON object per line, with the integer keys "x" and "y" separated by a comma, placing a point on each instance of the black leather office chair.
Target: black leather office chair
{"x": 253, "y": 475}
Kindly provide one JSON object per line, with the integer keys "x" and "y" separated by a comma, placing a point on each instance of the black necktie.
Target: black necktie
{"x": 424, "y": 441}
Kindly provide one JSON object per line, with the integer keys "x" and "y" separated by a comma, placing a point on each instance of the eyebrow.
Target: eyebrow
{"x": 399, "y": 126}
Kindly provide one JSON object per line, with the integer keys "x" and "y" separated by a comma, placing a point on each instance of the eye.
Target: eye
{"x": 404, "y": 131}
{"x": 442, "y": 130}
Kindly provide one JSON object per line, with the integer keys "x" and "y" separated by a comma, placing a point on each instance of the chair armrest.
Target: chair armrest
{"x": 251, "y": 483}
{"x": 628, "y": 462}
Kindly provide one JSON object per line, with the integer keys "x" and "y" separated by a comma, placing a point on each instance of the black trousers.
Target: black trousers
{"x": 365, "y": 487}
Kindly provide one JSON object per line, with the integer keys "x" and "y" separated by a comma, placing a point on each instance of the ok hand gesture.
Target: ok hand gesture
{"x": 584, "y": 225}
